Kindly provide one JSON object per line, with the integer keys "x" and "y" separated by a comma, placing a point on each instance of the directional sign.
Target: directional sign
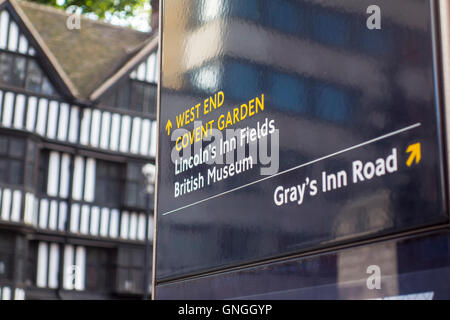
{"x": 168, "y": 127}
{"x": 291, "y": 126}
{"x": 415, "y": 154}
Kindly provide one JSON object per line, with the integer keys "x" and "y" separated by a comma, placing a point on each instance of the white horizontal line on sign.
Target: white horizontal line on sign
{"x": 393, "y": 133}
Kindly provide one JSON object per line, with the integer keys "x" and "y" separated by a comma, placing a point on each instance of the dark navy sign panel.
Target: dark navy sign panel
{"x": 345, "y": 99}
{"x": 411, "y": 269}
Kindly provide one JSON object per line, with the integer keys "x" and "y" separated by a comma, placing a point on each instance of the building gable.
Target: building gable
{"x": 88, "y": 55}
{"x": 18, "y": 38}
{"x": 146, "y": 60}
{"x": 137, "y": 90}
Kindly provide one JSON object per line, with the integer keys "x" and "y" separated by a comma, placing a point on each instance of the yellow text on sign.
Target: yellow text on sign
{"x": 232, "y": 117}
{"x": 253, "y": 107}
{"x": 168, "y": 127}
{"x": 415, "y": 153}
{"x": 194, "y": 113}
{"x": 195, "y": 135}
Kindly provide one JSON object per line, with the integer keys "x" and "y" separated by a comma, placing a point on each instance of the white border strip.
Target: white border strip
{"x": 444, "y": 34}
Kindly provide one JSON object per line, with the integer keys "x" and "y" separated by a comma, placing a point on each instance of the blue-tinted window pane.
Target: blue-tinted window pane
{"x": 332, "y": 104}
{"x": 374, "y": 41}
{"x": 284, "y": 15}
{"x": 248, "y": 9}
{"x": 331, "y": 28}
{"x": 247, "y": 77}
{"x": 288, "y": 92}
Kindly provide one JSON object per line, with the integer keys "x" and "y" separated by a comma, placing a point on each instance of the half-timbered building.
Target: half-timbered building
{"x": 77, "y": 123}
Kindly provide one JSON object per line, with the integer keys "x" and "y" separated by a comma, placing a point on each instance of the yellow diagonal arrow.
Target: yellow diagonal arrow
{"x": 168, "y": 127}
{"x": 415, "y": 153}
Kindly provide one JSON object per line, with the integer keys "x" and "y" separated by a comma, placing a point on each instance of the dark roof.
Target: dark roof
{"x": 89, "y": 55}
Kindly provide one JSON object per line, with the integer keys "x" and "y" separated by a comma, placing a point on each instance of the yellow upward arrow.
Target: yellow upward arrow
{"x": 415, "y": 153}
{"x": 168, "y": 127}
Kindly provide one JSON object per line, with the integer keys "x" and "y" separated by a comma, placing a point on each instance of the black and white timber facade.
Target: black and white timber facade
{"x": 74, "y": 214}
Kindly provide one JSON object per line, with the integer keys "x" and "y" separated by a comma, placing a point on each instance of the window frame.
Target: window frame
{"x": 10, "y": 158}
{"x": 8, "y": 250}
{"x": 147, "y": 105}
{"x": 30, "y": 62}
{"x": 103, "y": 181}
{"x": 103, "y": 268}
{"x": 140, "y": 183}
{"x": 128, "y": 268}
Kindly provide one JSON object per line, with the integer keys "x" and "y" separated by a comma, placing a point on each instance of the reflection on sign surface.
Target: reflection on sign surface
{"x": 289, "y": 125}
